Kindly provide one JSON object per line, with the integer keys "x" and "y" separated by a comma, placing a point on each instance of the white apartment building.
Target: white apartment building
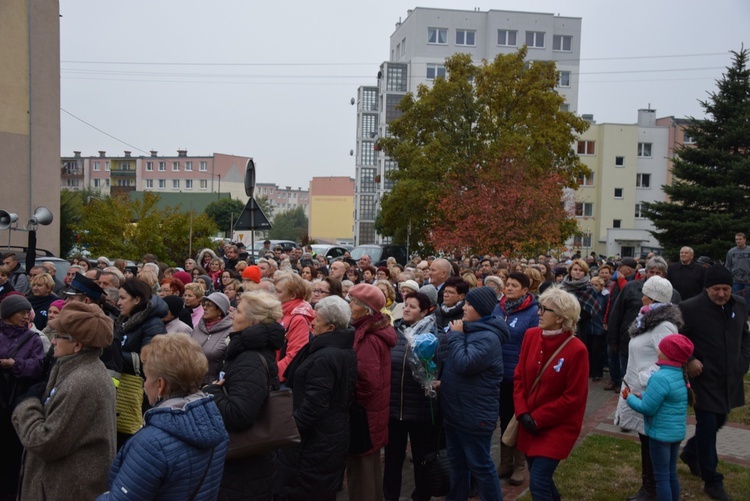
{"x": 418, "y": 49}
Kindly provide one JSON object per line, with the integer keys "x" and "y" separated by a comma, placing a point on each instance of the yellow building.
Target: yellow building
{"x": 331, "y": 210}
{"x": 30, "y": 114}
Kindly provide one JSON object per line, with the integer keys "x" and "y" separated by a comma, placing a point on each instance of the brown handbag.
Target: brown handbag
{"x": 510, "y": 435}
{"x": 273, "y": 429}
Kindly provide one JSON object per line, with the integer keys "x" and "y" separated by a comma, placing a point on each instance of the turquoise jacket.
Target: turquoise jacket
{"x": 663, "y": 405}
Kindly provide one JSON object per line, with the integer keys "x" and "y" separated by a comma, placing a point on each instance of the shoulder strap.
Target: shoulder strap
{"x": 205, "y": 472}
{"x": 549, "y": 361}
{"x": 24, "y": 339}
{"x": 265, "y": 366}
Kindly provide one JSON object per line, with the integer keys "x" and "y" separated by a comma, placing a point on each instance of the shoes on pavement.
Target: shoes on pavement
{"x": 611, "y": 387}
{"x": 695, "y": 468}
{"x": 716, "y": 491}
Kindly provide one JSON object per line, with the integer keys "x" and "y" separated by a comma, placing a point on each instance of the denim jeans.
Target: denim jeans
{"x": 703, "y": 444}
{"x": 664, "y": 459}
{"x": 541, "y": 481}
{"x": 470, "y": 456}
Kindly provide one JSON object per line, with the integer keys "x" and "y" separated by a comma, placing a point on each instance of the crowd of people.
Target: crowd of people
{"x": 127, "y": 382}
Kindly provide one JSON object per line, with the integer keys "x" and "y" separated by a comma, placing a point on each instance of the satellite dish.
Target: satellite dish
{"x": 250, "y": 178}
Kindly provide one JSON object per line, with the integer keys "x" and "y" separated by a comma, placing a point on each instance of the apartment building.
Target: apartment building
{"x": 284, "y": 199}
{"x": 418, "y": 49}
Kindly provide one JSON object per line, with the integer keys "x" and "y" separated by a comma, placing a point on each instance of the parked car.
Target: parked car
{"x": 42, "y": 256}
{"x": 329, "y": 251}
{"x": 380, "y": 252}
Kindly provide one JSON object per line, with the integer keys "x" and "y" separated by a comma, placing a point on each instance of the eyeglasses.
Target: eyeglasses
{"x": 63, "y": 336}
{"x": 320, "y": 291}
{"x": 543, "y": 310}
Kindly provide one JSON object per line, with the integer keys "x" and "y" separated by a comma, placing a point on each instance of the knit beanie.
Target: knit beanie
{"x": 677, "y": 348}
{"x": 12, "y": 304}
{"x": 86, "y": 323}
{"x": 483, "y": 299}
{"x": 175, "y": 304}
{"x": 252, "y": 272}
{"x": 717, "y": 275}
{"x": 369, "y": 295}
{"x": 209, "y": 283}
{"x": 410, "y": 284}
{"x": 58, "y": 303}
{"x": 431, "y": 292}
{"x": 183, "y": 276}
{"x": 659, "y": 289}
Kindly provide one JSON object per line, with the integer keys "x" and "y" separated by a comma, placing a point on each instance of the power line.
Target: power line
{"x": 103, "y": 132}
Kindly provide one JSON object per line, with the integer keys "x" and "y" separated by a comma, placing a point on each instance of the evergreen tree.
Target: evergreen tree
{"x": 709, "y": 199}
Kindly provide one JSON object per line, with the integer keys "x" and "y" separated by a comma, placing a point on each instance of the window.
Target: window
{"x": 162, "y": 184}
{"x": 466, "y": 37}
{"x": 437, "y": 36}
{"x": 390, "y": 165}
{"x": 563, "y": 43}
{"x": 643, "y": 180}
{"x": 618, "y": 192}
{"x": 367, "y": 181}
{"x": 106, "y": 183}
{"x": 188, "y": 184}
{"x": 97, "y": 183}
{"x": 124, "y": 166}
{"x": 368, "y": 153}
{"x": 507, "y": 37}
{"x": 96, "y": 166}
{"x": 565, "y": 107}
{"x": 586, "y": 180}
{"x": 366, "y": 233}
{"x": 563, "y": 79}
{"x": 369, "y": 125}
{"x": 175, "y": 184}
{"x": 203, "y": 166}
{"x": 619, "y": 161}
{"x": 106, "y": 166}
{"x": 188, "y": 166}
{"x": 584, "y": 209}
{"x": 434, "y": 71}
{"x": 367, "y": 207}
{"x": 403, "y": 47}
{"x": 149, "y": 183}
{"x": 203, "y": 184}
{"x": 586, "y": 147}
{"x": 396, "y": 78}
{"x": 616, "y": 223}
{"x": 162, "y": 166}
{"x": 535, "y": 39}
{"x": 644, "y": 150}
{"x": 391, "y": 107}
{"x": 639, "y": 208}
{"x": 687, "y": 139}
{"x": 398, "y": 48}
{"x": 175, "y": 166}
{"x": 150, "y": 166}
{"x": 582, "y": 240}
{"x": 369, "y": 100}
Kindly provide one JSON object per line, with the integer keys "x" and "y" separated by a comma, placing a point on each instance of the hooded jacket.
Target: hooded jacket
{"x": 182, "y": 439}
{"x": 241, "y": 399}
{"x": 472, "y": 373}
{"x": 213, "y": 340}
{"x": 373, "y": 339}
{"x": 664, "y": 405}
{"x": 72, "y": 434}
{"x": 298, "y": 315}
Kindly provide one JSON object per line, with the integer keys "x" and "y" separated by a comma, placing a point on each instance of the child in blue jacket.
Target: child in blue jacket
{"x": 664, "y": 407}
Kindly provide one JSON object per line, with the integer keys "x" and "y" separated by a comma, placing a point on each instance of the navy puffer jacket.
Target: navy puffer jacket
{"x": 472, "y": 373}
{"x": 523, "y": 319}
{"x": 167, "y": 458}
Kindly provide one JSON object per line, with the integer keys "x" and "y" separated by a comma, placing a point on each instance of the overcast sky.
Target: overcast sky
{"x": 273, "y": 79}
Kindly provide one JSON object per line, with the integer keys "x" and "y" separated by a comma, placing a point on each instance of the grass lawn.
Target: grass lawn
{"x": 741, "y": 415}
{"x": 604, "y": 468}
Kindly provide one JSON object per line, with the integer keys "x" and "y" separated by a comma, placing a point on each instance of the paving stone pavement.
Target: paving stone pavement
{"x": 733, "y": 440}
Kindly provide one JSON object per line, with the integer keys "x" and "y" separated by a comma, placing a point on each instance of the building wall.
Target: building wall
{"x": 331, "y": 209}
{"x": 30, "y": 114}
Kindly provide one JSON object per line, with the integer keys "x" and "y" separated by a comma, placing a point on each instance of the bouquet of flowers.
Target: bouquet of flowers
{"x": 423, "y": 345}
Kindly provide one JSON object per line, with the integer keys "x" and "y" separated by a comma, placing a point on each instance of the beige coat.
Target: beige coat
{"x": 70, "y": 440}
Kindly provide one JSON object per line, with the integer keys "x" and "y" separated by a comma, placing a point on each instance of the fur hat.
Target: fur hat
{"x": 483, "y": 299}
{"x": 221, "y": 300}
{"x": 12, "y": 304}
{"x": 86, "y": 323}
{"x": 717, "y": 275}
{"x": 659, "y": 289}
{"x": 369, "y": 295}
{"x": 677, "y": 348}
{"x": 252, "y": 272}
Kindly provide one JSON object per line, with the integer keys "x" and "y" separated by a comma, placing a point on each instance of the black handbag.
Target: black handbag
{"x": 359, "y": 429}
{"x": 274, "y": 427}
{"x": 435, "y": 469}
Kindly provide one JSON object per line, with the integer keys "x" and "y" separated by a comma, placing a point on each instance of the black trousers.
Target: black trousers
{"x": 595, "y": 346}
{"x": 423, "y": 437}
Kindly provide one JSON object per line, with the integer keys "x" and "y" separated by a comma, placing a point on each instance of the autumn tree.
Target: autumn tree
{"x": 477, "y": 122}
{"x": 120, "y": 227}
{"x": 290, "y": 225}
{"x": 709, "y": 198}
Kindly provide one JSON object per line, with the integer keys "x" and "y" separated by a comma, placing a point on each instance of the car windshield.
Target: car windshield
{"x": 373, "y": 251}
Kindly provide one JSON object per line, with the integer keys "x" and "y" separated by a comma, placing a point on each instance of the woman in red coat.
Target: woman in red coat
{"x": 552, "y": 415}
{"x": 373, "y": 339}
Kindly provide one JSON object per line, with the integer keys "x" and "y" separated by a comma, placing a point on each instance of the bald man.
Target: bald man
{"x": 686, "y": 275}
{"x": 440, "y": 270}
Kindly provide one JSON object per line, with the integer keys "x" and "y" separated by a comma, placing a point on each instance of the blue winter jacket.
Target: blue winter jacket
{"x": 472, "y": 372}
{"x": 518, "y": 323}
{"x": 167, "y": 458}
{"x": 664, "y": 405}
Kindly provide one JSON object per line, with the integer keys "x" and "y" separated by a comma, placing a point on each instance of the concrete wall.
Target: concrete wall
{"x": 331, "y": 209}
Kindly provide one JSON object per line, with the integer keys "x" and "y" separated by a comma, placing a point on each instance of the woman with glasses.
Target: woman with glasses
{"x": 550, "y": 416}
{"x": 212, "y": 331}
{"x": 324, "y": 288}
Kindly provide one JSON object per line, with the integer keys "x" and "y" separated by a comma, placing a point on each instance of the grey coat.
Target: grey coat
{"x": 70, "y": 440}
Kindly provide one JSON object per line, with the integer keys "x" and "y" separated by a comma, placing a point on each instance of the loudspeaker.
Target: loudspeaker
{"x": 7, "y": 219}
{"x": 42, "y": 215}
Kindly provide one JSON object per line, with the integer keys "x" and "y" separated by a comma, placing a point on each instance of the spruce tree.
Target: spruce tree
{"x": 709, "y": 199}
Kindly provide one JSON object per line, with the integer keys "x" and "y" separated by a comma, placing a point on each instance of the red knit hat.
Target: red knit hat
{"x": 183, "y": 276}
{"x": 369, "y": 295}
{"x": 252, "y": 272}
{"x": 677, "y": 348}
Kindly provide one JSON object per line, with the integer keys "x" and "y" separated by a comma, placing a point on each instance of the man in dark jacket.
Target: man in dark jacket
{"x": 716, "y": 323}
{"x": 625, "y": 273}
{"x": 686, "y": 275}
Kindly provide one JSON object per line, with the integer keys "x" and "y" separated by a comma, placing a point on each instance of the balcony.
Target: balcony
{"x": 121, "y": 173}
{"x": 71, "y": 171}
